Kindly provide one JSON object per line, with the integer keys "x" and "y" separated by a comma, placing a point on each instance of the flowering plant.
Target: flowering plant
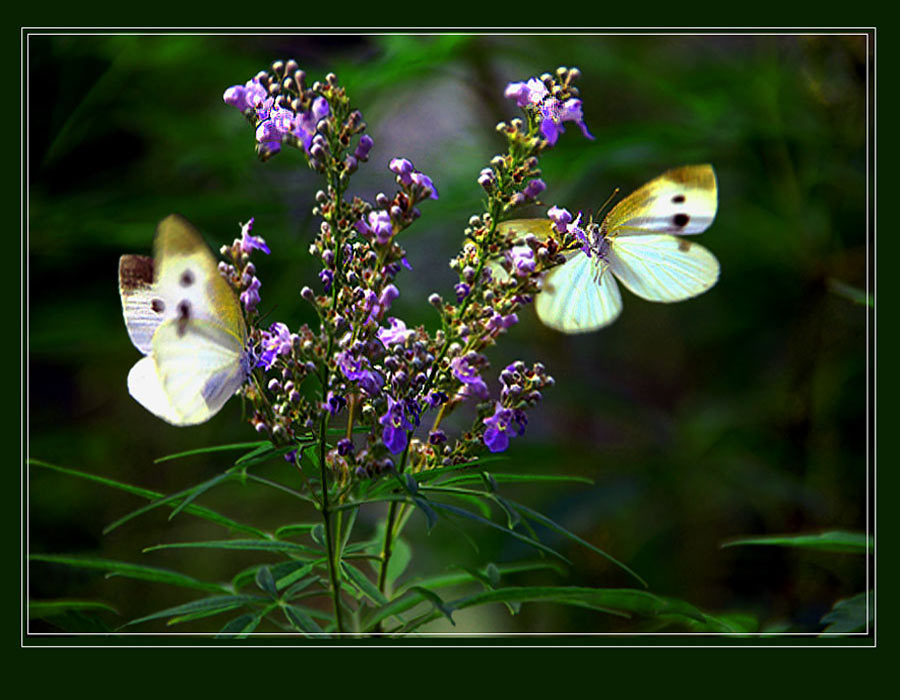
{"x": 357, "y": 405}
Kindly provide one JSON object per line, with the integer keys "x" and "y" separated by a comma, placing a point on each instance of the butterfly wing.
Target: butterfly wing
{"x": 579, "y": 296}
{"x": 659, "y": 267}
{"x": 194, "y": 368}
{"x": 142, "y": 305}
{"x": 680, "y": 201}
{"x": 188, "y": 277}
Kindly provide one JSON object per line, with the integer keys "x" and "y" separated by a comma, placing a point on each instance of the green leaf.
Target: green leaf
{"x": 49, "y": 608}
{"x": 850, "y": 292}
{"x": 300, "y": 619}
{"x": 516, "y": 479}
{"x": 834, "y": 541}
{"x": 194, "y": 510}
{"x": 363, "y": 584}
{"x": 212, "y": 605}
{"x": 216, "y": 448}
{"x": 297, "y": 550}
{"x": 403, "y": 600}
{"x": 241, "y": 626}
{"x": 850, "y": 614}
{"x": 266, "y": 582}
{"x": 512, "y": 533}
{"x": 556, "y": 527}
{"x": 430, "y": 516}
{"x": 295, "y": 529}
{"x": 438, "y": 602}
{"x": 136, "y": 571}
{"x": 197, "y": 491}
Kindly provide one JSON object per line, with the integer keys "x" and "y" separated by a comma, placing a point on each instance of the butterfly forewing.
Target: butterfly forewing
{"x": 579, "y": 296}
{"x": 189, "y": 274}
{"x": 681, "y": 201}
{"x": 660, "y": 267}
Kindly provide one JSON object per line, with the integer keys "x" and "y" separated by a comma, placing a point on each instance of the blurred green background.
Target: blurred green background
{"x": 741, "y": 412}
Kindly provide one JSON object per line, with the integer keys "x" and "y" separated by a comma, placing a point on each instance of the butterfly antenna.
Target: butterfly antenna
{"x": 608, "y": 200}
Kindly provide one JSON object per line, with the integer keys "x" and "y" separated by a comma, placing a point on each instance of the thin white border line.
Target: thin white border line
{"x": 27, "y": 32}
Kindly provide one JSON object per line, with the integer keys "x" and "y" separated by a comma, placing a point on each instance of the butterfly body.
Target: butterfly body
{"x": 639, "y": 243}
{"x": 185, "y": 318}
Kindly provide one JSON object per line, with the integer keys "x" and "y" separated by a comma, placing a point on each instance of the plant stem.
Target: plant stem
{"x": 330, "y": 548}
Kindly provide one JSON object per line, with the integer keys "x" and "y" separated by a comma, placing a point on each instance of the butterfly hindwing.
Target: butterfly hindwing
{"x": 199, "y": 366}
{"x": 578, "y": 296}
{"x": 142, "y": 307}
{"x": 663, "y": 268}
{"x": 681, "y": 201}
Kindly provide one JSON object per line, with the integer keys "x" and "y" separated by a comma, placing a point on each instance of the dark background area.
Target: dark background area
{"x": 741, "y": 412}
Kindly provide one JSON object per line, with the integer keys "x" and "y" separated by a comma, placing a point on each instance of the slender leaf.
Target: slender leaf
{"x": 136, "y": 571}
{"x": 195, "y": 510}
{"x": 292, "y": 548}
{"x": 512, "y": 533}
{"x": 216, "y": 448}
{"x": 241, "y": 626}
{"x": 850, "y": 292}
{"x": 210, "y": 606}
{"x": 516, "y": 479}
{"x": 364, "y": 585}
{"x": 199, "y": 490}
{"x": 443, "y": 608}
{"x": 294, "y": 529}
{"x": 556, "y": 527}
{"x": 300, "y": 619}
{"x": 835, "y": 541}
{"x": 49, "y": 608}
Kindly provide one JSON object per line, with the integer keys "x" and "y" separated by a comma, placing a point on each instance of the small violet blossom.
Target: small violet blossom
{"x": 473, "y": 384}
{"x": 395, "y": 425}
{"x": 500, "y": 427}
{"x": 521, "y": 257}
{"x": 378, "y": 225}
{"x": 397, "y": 333}
{"x": 356, "y": 369}
{"x": 249, "y": 243}
{"x": 275, "y": 341}
{"x": 553, "y": 112}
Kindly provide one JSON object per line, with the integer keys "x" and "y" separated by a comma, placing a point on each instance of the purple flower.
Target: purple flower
{"x": 498, "y": 321}
{"x": 499, "y": 427}
{"x": 250, "y": 296}
{"x": 462, "y": 291}
{"x": 395, "y": 425}
{"x": 425, "y": 184}
{"x": 334, "y": 403}
{"x": 530, "y": 93}
{"x": 275, "y": 341}
{"x": 521, "y": 257}
{"x": 357, "y": 369}
{"x": 251, "y": 95}
{"x": 327, "y": 277}
{"x": 534, "y": 188}
{"x": 397, "y": 333}
{"x": 554, "y": 114}
{"x": 403, "y": 169}
{"x": 378, "y": 225}
{"x": 473, "y": 384}
{"x": 304, "y": 126}
{"x": 249, "y": 243}
{"x": 363, "y": 147}
{"x": 560, "y": 218}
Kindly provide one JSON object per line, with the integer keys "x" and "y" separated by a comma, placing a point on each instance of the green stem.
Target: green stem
{"x": 330, "y": 548}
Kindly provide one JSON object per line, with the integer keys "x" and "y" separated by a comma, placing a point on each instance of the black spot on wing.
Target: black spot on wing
{"x": 187, "y": 278}
{"x": 681, "y": 220}
{"x": 678, "y": 199}
{"x": 158, "y": 305}
{"x": 184, "y": 315}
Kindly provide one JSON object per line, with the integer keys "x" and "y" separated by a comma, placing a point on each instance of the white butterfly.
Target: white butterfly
{"x": 182, "y": 314}
{"x": 634, "y": 244}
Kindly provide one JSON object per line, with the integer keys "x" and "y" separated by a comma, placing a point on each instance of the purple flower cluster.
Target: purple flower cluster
{"x": 551, "y": 110}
